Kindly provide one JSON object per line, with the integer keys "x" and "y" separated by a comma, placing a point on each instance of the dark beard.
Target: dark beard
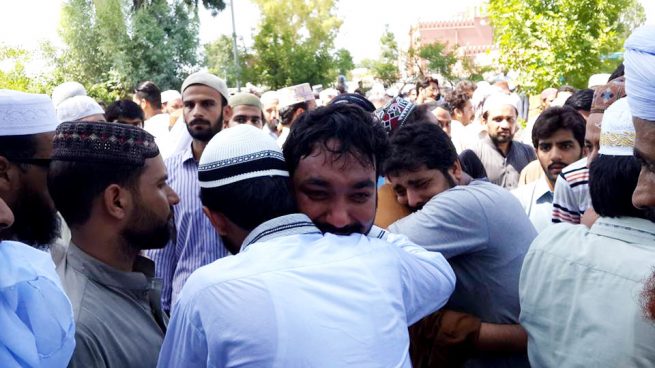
{"x": 205, "y": 135}
{"x": 35, "y": 223}
{"x": 354, "y": 228}
{"x": 145, "y": 232}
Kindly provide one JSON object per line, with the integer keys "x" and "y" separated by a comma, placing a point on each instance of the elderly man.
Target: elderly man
{"x": 293, "y": 296}
{"x": 294, "y": 101}
{"x": 595, "y": 320}
{"x": 26, "y": 132}
{"x": 270, "y": 103}
{"x": 558, "y": 138}
{"x": 114, "y": 214}
{"x": 503, "y": 157}
{"x": 246, "y": 109}
{"x": 196, "y": 244}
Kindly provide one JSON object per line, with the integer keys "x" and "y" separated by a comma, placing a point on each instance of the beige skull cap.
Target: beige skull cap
{"x": 209, "y": 80}
{"x": 295, "y": 94}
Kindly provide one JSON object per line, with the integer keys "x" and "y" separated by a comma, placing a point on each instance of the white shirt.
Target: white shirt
{"x": 294, "y": 297}
{"x": 158, "y": 127}
{"x": 537, "y": 200}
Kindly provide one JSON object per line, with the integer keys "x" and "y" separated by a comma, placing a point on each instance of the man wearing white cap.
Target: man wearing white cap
{"x": 171, "y": 101}
{"x": 37, "y": 318}
{"x": 293, "y": 296}
{"x": 270, "y": 103}
{"x": 246, "y": 109}
{"x": 197, "y": 244}
{"x": 502, "y": 157}
{"x": 80, "y": 108}
{"x": 294, "y": 101}
{"x": 580, "y": 287}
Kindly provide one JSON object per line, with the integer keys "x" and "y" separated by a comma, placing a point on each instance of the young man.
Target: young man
{"x": 196, "y": 243}
{"x": 479, "y": 227}
{"x": 109, "y": 183}
{"x": 574, "y": 278}
{"x": 125, "y": 112}
{"x": 293, "y": 296}
{"x": 246, "y": 109}
{"x": 558, "y": 137}
{"x": 148, "y": 96}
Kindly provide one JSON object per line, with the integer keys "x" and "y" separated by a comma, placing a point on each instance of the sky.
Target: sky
{"x": 27, "y": 22}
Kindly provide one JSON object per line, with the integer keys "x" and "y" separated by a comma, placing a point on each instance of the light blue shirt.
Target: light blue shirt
{"x": 580, "y": 295}
{"x": 483, "y": 232}
{"x": 196, "y": 243}
{"x": 537, "y": 200}
{"x": 36, "y": 318}
{"x": 294, "y": 297}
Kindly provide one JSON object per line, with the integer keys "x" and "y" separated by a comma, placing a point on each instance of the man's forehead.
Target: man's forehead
{"x": 199, "y": 91}
{"x": 330, "y": 153}
{"x": 246, "y": 109}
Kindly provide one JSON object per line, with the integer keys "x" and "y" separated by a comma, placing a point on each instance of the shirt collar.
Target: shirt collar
{"x": 281, "y": 226}
{"x": 139, "y": 279}
{"x": 627, "y": 229}
{"x": 542, "y": 192}
{"x": 187, "y": 155}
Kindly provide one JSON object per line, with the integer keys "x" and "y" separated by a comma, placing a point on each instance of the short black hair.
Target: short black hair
{"x": 420, "y": 144}
{"x": 425, "y": 82}
{"x": 150, "y": 92}
{"x": 457, "y": 99}
{"x": 581, "y": 100}
{"x": 419, "y": 114}
{"x": 618, "y": 72}
{"x": 18, "y": 146}
{"x": 555, "y": 118}
{"x": 355, "y": 130}
{"x": 612, "y": 179}
{"x": 74, "y": 185}
{"x": 123, "y": 108}
{"x": 286, "y": 113}
{"x": 251, "y": 202}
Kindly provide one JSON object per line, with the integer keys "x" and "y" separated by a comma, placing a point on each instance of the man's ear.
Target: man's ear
{"x": 5, "y": 175}
{"x": 297, "y": 113}
{"x": 456, "y": 171}
{"x": 227, "y": 115}
{"x": 117, "y": 201}
{"x": 218, "y": 220}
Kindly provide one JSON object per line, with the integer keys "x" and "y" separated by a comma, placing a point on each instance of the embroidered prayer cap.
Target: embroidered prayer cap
{"x": 209, "y": 80}
{"x": 393, "y": 115}
{"x": 607, "y": 94}
{"x": 355, "y": 99}
{"x": 104, "y": 143}
{"x": 617, "y": 132}
{"x": 67, "y": 90}
{"x": 26, "y": 113}
{"x": 295, "y": 94}
{"x": 245, "y": 98}
{"x": 499, "y": 99}
{"x": 78, "y": 107}
{"x": 170, "y": 95}
{"x": 639, "y": 61}
{"x": 240, "y": 153}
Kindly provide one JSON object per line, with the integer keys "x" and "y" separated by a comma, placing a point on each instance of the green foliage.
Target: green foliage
{"x": 219, "y": 59}
{"x": 386, "y": 67}
{"x": 343, "y": 61}
{"x": 294, "y": 42}
{"x": 12, "y": 71}
{"x": 555, "y": 42}
{"x": 440, "y": 59}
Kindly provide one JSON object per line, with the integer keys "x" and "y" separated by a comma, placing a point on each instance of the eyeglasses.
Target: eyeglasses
{"x": 41, "y": 162}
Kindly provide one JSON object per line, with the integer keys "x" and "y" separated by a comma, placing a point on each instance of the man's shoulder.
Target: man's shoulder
{"x": 561, "y": 234}
{"x": 576, "y": 171}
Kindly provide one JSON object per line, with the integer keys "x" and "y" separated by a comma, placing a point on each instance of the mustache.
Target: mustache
{"x": 557, "y": 165}
{"x": 353, "y": 228}
{"x": 199, "y": 121}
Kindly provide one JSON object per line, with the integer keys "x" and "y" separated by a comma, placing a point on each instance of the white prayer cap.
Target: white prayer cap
{"x": 295, "y": 94}
{"x": 269, "y": 98}
{"x": 598, "y": 80}
{"x": 26, "y": 113}
{"x": 209, "y": 80}
{"x": 78, "y": 107}
{"x": 240, "y": 153}
{"x": 498, "y": 99}
{"x": 639, "y": 61}
{"x": 67, "y": 90}
{"x": 617, "y": 132}
{"x": 170, "y": 95}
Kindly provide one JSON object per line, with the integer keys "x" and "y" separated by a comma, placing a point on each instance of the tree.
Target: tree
{"x": 440, "y": 59}
{"x": 219, "y": 59}
{"x": 386, "y": 67}
{"x": 13, "y": 76}
{"x": 343, "y": 61}
{"x": 294, "y": 41}
{"x": 559, "y": 42}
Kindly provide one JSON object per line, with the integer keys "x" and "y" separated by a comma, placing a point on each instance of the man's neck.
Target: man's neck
{"x": 108, "y": 250}
{"x": 197, "y": 148}
{"x": 504, "y": 147}
{"x": 153, "y": 112}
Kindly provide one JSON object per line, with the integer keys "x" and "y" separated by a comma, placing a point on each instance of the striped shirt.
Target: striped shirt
{"x": 196, "y": 243}
{"x": 571, "y": 196}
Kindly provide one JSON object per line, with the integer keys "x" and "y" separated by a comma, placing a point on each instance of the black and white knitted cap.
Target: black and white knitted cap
{"x": 240, "y": 153}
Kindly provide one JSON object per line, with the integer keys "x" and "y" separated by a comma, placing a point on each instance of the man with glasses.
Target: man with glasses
{"x": 246, "y": 109}
{"x": 27, "y": 124}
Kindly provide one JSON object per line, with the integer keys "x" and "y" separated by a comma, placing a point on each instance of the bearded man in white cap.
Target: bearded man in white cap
{"x": 503, "y": 157}
{"x": 270, "y": 103}
{"x": 580, "y": 287}
{"x": 37, "y": 318}
{"x": 293, "y": 296}
{"x": 196, "y": 244}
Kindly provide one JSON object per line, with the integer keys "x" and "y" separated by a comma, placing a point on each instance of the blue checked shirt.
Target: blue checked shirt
{"x": 197, "y": 242}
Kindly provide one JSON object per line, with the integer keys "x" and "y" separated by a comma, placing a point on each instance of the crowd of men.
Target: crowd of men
{"x": 197, "y": 228}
